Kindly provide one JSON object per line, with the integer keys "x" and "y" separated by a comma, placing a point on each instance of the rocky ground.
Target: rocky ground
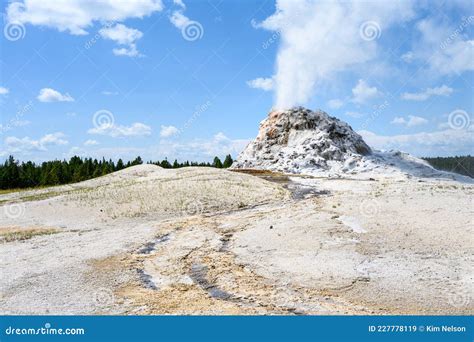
{"x": 206, "y": 241}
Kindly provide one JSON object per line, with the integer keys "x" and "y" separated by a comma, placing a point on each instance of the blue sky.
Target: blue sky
{"x": 193, "y": 79}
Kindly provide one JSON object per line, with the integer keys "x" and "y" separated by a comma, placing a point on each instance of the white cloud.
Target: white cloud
{"x": 319, "y": 39}
{"x": 354, "y": 114}
{"x": 408, "y": 57}
{"x": 444, "y": 90}
{"x": 91, "y": 142}
{"x": 398, "y": 121}
{"x": 440, "y": 143}
{"x": 26, "y": 144}
{"x": 179, "y": 20}
{"x": 443, "y": 46}
{"x": 76, "y": 16}
{"x": 195, "y": 150}
{"x": 136, "y": 129}
{"x": 179, "y": 3}
{"x": 51, "y": 95}
{"x": 129, "y": 51}
{"x": 412, "y": 121}
{"x": 109, "y": 93}
{"x": 335, "y": 104}
{"x": 362, "y": 92}
{"x": 168, "y": 131}
{"x": 202, "y": 149}
{"x": 4, "y": 91}
{"x": 123, "y": 35}
{"x": 15, "y": 122}
{"x": 261, "y": 83}
{"x": 114, "y": 153}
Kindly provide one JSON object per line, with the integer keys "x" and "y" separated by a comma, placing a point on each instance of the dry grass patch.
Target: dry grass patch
{"x": 9, "y": 234}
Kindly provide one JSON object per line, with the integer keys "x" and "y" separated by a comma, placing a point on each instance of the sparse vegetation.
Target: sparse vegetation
{"x": 20, "y": 234}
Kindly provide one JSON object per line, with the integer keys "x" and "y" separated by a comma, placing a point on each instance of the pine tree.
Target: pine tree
{"x": 228, "y": 161}
{"x": 120, "y": 165}
{"x": 217, "y": 163}
{"x": 138, "y": 160}
{"x": 165, "y": 164}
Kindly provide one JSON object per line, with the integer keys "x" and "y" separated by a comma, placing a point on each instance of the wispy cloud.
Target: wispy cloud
{"x": 91, "y": 142}
{"x": 439, "y": 143}
{"x": 202, "y": 149}
{"x": 124, "y": 36}
{"x": 109, "y": 93}
{"x": 411, "y": 121}
{"x": 335, "y": 103}
{"x": 444, "y": 46}
{"x": 444, "y": 90}
{"x": 168, "y": 131}
{"x": 261, "y": 83}
{"x": 112, "y": 130}
{"x": 362, "y": 92}
{"x": 26, "y": 144}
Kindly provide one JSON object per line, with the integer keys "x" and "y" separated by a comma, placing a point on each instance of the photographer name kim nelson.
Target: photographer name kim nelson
{"x": 445, "y": 328}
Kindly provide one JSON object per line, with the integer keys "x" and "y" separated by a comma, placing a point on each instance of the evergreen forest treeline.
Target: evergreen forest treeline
{"x": 16, "y": 175}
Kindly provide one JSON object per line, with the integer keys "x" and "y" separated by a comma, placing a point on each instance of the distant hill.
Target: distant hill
{"x": 463, "y": 165}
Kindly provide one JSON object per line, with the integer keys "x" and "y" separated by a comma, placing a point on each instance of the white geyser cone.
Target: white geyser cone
{"x": 297, "y": 139}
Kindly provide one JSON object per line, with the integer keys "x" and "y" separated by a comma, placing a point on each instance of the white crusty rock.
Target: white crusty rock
{"x": 299, "y": 140}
